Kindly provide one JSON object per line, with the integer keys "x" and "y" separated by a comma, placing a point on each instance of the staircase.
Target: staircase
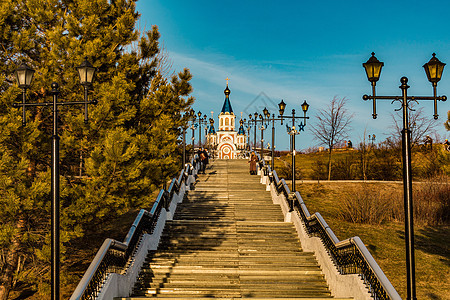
{"x": 228, "y": 240}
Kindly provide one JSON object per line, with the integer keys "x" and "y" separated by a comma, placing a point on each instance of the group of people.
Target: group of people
{"x": 203, "y": 157}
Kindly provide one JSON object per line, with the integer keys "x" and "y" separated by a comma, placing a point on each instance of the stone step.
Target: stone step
{"x": 168, "y": 297}
{"x": 246, "y": 238}
{"x": 243, "y": 280}
{"x": 228, "y": 240}
{"x": 235, "y": 271}
{"x": 242, "y": 255}
{"x": 180, "y": 254}
{"x": 234, "y": 292}
{"x": 268, "y": 224}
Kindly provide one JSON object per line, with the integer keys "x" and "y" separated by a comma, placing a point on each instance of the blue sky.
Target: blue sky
{"x": 304, "y": 50}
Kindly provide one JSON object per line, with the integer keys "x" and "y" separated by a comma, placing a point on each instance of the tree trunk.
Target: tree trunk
{"x": 11, "y": 261}
{"x": 329, "y": 164}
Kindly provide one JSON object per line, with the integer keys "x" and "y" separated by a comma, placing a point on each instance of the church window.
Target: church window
{"x": 221, "y": 122}
{"x": 227, "y": 122}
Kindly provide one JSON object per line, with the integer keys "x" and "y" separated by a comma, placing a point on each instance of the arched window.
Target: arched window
{"x": 227, "y": 122}
{"x": 232, "y": 122}
{"x": 221, "y": 122}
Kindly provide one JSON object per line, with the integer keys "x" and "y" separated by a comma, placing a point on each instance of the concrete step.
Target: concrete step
{"x": 168, "y": 297}
{"x": 228, "y": 240}
{"x": 233, "y": 292}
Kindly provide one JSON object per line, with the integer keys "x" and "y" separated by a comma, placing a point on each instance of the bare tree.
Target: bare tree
{"x": 419, "y": 124}
{"x": 332, "y": 126}
{"x": 364, "y": 149}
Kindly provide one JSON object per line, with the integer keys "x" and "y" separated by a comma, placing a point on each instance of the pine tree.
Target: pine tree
{"x": 107, "y": 166}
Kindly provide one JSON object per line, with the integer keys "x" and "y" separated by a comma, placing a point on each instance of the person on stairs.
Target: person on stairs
{"x": 253, "y": 159}
{"x": 204, "y": 157}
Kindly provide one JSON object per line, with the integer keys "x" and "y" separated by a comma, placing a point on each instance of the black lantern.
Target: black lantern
{"x": 305, "y": 106}
{"x": 265, "y": 111}
{"x": 281, "y": 106}
{"x": 434, "y": 69}
{"x": 373, "y": 68}
{"x": 199, "y": 114}
{"x": 86, "y": 72}
{"x": 24, "y": 76}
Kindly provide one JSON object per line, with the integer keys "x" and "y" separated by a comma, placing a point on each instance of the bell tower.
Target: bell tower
{"x": 226, "y": 135}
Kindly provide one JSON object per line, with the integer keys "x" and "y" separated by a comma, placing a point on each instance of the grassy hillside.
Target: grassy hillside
{"x": 386, "y": 241}
{"x": 382, "y": 163}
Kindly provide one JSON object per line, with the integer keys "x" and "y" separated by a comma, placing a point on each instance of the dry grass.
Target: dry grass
{"x": 386, "y": 241}
{"x": 365, "y": 204}
{"x": 369, "y": 204}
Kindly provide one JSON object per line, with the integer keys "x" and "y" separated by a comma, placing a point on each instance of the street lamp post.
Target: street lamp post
{"x": 292, "y": 131}
{"x": 273, "y": 119}
{"x": 193, "y": 126}
{"x": 254, "y": 119}
{"x": 199, "y": 114}
{"x": 249, "y": 126}
{"x": 184, "y": 145}
{"x": 211, "y": 133}
{"x": 262, "y": 128}
{"x": 24, "y": 77}
{"x": 433, "y": 69}
{"x": 201, "y": 120}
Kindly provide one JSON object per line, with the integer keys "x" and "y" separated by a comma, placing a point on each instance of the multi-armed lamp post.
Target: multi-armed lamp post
{"x": 248, "y": 125}
{"x": 184, "y": 128}
{"x": 433, "y": 69}
{"x": 193, "y": 118}
{"x": 262, "y": 128}
{"x": 293, "y": 131}
{"x": 201, "y": 120}
{"x": 24, "y": 77}
{"x": 273, "y": 119}
{"x": 254, "y": 120}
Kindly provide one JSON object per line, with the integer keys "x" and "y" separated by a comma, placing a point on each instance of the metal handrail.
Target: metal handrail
{"x": 351, "y": 255}
{"x": 114, "y": 255}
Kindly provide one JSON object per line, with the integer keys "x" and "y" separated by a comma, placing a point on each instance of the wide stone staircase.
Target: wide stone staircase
{"x": 228, "y": 240}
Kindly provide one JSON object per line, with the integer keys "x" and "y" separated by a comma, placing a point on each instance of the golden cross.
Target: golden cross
{"x": 227, "y": 80}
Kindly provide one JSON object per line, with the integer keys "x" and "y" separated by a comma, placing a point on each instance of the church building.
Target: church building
{"x": 227, "y": 142}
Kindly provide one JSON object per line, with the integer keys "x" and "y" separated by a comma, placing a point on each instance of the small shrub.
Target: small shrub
{"x": 432, "y": 201}
{"x": 285, "y": 172}
{"x": 344, "y": 169}
{"x": 319, "y": 170}
{"x": 366, "y": 205}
